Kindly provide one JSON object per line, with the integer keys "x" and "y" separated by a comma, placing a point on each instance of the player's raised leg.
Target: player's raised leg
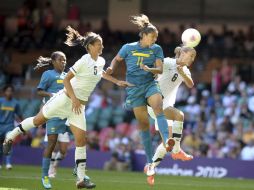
{"x": 177, "y": 128}
{"x": 24, "y": 126}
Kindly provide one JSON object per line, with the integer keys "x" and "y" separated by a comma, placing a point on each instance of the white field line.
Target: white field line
{"x": 194, "y": 184}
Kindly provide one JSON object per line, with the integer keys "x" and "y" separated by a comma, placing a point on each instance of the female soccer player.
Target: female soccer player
{"x": 51, "y": 82}
{"x": 9, "y": 108}
{"x": 175, "y": 71}
{"x": 144, "y": 60}
{"x": 69, "y": 103}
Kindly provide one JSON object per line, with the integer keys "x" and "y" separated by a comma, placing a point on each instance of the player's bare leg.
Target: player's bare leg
{"x": 83, "y": 181}
{"x": 178, "y": 117}
{"x": 24, "y": 126}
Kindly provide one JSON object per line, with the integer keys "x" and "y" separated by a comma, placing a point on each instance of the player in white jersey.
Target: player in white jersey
{"x": 70, "y": 102}
{"x": 175, "y": 71}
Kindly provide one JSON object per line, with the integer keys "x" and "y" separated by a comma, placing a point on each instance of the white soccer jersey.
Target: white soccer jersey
{"x": 88, "y": 73}
{"x": 170, "y": 80}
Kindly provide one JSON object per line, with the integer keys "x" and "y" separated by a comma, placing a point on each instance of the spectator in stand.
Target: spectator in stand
{"x": 48, "y": 24}
{"x": 247, "y": 152}
{"x": 74, "y": 12}
{"x": 226, "y": 72}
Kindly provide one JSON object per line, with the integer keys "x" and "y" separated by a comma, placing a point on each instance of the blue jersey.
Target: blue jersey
{"x": 134, "y": 55}
{"x": 51, "y": 81}
{"x": 8, "y": 110}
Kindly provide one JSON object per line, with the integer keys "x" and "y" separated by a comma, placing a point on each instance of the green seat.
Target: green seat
{"x": 118, "y": 119}
{"x": 32, "y": 108}
{"x": 23, "y": 103}
{"x": 103, "y": 123}
{"x": 92, "y": 117}
{"x": 106, "y": 113}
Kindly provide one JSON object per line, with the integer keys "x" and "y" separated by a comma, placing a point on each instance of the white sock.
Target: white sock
{"x": 177, "y": 131}
{"x": 53, "y": 158}
{"x": 58, "y": 158}
{"x": 160, "y": 153}
{"x": 24, "y": 126}
{"x": 80, "y": 160}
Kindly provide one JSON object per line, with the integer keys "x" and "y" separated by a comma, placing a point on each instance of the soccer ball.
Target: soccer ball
{"x": 191, "y": 37}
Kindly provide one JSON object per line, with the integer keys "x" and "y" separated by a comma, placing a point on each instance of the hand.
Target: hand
{"x": 144, "y": 67}
{"x": 180, "y": 70}
{"x": 124, "y": 84}
{"x": 76, "y": 106}
{"x": 109, "y": 71}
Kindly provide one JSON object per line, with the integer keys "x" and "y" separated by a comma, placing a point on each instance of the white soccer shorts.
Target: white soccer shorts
{"x": 60, "y": 105}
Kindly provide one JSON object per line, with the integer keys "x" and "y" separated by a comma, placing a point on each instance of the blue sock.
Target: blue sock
{"x": 163, "y": 127}
{"x": 45, "y": 166}
{"x": 147, "y": 143}
{"x": 8, "y": 159}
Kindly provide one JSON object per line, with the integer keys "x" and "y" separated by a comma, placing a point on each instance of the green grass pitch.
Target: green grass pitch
{"x": 28, "y": 178}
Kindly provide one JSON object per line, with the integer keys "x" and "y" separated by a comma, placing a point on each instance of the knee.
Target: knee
{"x": 144, "y": 125}
{"x": 179, "y": 116}
{"x": 50, "y": 147}
{"x": 157, "y": 109}
{"x": 36, "y": 121}
{"x": 80, "y": 140}
{"x": 63, "y": 151}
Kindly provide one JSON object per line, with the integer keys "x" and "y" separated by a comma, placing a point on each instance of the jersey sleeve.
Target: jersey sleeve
{"x": 169, "y": 62}
{"x": 78, "y": 64}
{"x": 44, "y": 82}
{"x": 102, "y": 62}
{"x": 123, "y": 52}
{"x": 159, "y": 53}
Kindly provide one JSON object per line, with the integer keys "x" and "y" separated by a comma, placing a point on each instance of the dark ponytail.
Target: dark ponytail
{"x": 144, "y": 25}
{"x": 42, "y": 62}
{"x": 74, "y": 38}
{"x": 46, "y": 61}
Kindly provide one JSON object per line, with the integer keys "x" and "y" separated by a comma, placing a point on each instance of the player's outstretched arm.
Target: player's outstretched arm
{"x": 76, "y": 105}
{"x": 116, "y": 81}
{"x": 158, "y": 69}
{"x": 186, "y": 78}
{"x": 110, "y": 69}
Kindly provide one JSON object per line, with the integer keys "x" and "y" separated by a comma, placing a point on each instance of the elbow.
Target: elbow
{"x": 39, "y": 93}
{"x": 64, "y": 80}
{"x": 191, "y": 84}
{"x": 160, "y": 71}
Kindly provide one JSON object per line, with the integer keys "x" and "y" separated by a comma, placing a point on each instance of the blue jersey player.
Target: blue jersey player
{"x": 9, "y": 109}
{"x": 144, "y": 59}
{"x": 51, "y": 82}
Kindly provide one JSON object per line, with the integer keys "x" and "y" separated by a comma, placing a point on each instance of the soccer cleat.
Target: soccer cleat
{"x": 149, "y": 169}
{"x": 150, "y": 180}
{"x": 85, "y": 183}
{"x": 52, "y": 172}
{"x": 8, "y": 166}
{"x": 46, "y": 183}
{"x": 7, "y": 146}
{"x": 170, "y": 144}
{"x": 181, "y": 155}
